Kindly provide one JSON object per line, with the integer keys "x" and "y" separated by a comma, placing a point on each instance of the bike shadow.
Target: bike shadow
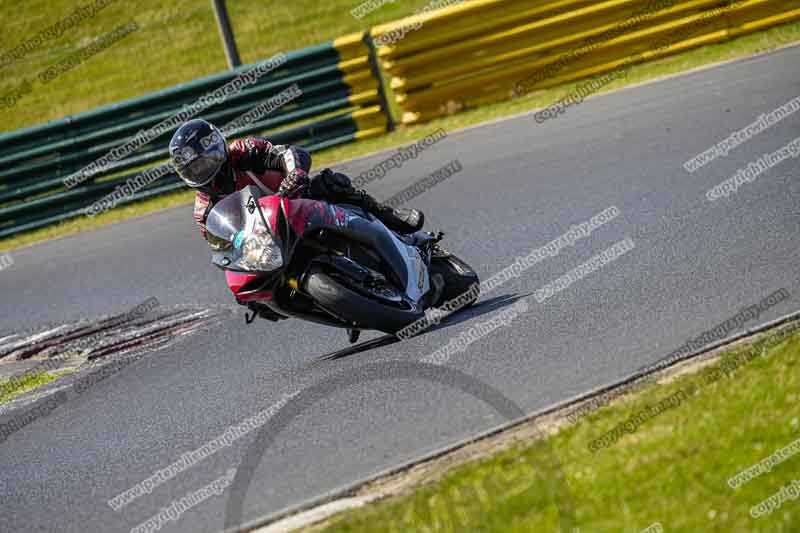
{"x": 477, "y": 310}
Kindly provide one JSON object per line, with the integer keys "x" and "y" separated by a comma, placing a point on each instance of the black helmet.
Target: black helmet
{"x": 198, "y": 152}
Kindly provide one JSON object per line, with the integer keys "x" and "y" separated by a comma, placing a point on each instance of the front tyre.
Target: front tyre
{"x": 355, "y": 308}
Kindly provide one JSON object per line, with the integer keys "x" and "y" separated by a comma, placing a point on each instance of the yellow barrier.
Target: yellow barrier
{"x": 488, "y": 50}
{"x": 358, "y": 73}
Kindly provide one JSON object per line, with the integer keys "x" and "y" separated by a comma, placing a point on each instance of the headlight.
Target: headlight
{"x": 217, "y": 244}
{"x": 259, "y": 252}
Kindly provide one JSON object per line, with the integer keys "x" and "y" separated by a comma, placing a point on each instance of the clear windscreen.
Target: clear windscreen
{"x": 226, "y": 220}
{"x": 235, "y": 229}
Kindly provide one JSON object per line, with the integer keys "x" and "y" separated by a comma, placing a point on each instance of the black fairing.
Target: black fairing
{"x": 376, "y": 236}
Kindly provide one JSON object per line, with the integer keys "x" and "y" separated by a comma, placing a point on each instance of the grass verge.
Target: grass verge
{"x": 176, "y": 42}
{"x": 10, "y": 389}
{"x": 741, "y": 47}
{"x": 672, "y": 470}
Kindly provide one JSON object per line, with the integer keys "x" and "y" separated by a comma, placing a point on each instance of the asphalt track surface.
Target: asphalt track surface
{"x": 695, "y": 264}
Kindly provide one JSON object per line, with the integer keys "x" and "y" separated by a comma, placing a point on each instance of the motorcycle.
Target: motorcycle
{"x": 331, "y": 264}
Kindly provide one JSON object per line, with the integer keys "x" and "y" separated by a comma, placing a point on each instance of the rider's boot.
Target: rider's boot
{"x": 396, "y": 219}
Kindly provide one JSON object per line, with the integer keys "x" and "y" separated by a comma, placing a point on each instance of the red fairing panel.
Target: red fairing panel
{"x": 271, "y": 206}
{"x": 304, "y": 214}
{"x": 237, "y": 280}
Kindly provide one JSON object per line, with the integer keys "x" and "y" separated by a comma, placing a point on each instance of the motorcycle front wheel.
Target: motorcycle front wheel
{"x": 355, "y": 308}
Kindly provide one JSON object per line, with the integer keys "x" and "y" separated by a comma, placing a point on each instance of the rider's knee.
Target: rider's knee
{"x": 329, "y": 184}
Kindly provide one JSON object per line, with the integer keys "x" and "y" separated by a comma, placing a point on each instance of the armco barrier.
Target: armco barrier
{"x": 407, "y": 71}
{"x": 340, "y": 101}
{"x": 481, "y": 51}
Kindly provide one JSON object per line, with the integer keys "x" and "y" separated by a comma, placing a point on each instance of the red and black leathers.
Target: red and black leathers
{"x": 255, "y": 161}
{"x": 282, "y": 169}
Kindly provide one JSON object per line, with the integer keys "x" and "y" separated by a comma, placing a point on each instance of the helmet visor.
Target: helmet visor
{"x": 201, "y": 170}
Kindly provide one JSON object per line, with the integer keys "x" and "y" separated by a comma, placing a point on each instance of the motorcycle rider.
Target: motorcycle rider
{"x": 205, "y": 162}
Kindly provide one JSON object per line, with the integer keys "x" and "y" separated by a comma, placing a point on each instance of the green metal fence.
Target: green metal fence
{"x": 339, "y": 101}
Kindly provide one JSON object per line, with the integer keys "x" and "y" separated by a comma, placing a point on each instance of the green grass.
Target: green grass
{"x": 672, "y": 470}
{"x": 184, "y": 37}
{"x": 10, "y": 389}
{"x": 177, "y": 42}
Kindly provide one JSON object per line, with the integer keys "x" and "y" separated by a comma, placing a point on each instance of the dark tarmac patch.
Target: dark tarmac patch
{"x": 88, "y": 340}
